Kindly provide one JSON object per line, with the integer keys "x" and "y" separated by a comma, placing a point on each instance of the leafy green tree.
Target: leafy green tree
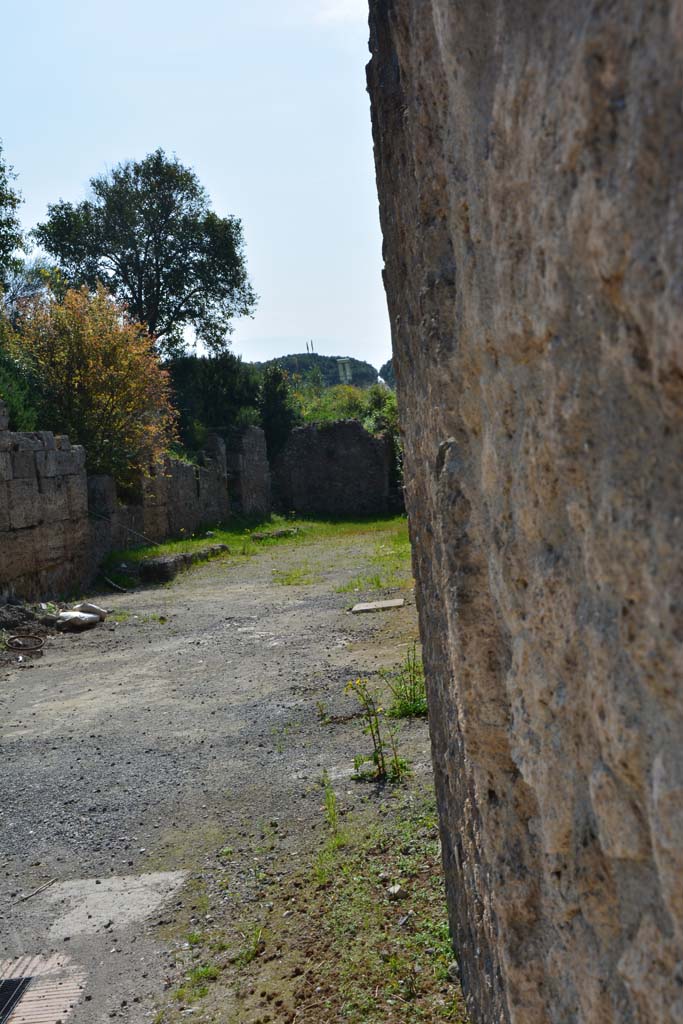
{"x": 386, "y": 372}
{"x": 213, "y": 393}
{"x": 302, "y": 364}
{"x": 149, "y": 235}
{"x": 16, "y": 389}
{"x": 11, "y": 238}
{"x": 28, "y": 279}
{"x": 277, "y": 408}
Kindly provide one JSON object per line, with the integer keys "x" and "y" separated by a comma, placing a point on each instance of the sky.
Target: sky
{"x": 265, "y": 99}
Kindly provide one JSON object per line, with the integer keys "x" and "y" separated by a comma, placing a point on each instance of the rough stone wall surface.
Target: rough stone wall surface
{"x": 179, "y": 496}
{"x": 529, "y": 162}
{"x": 335, "y": 469}
{"x": 43, "y": 512}
{"x": 248, "y": 472}
{"x": 57, "y": 524}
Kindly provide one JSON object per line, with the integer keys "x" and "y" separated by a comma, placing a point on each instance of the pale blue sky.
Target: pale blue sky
{"x": 265, "y": 99}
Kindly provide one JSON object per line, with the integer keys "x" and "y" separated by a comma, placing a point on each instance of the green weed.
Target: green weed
{"x": 385, "y": 952}
{"x": 301, "y": 576}
{"x": 384, "y": 762}
{"x": 407, "y": 686}
{"x": 254, "y": 945}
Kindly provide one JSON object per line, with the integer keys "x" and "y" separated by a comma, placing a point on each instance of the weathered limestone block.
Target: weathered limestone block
{"x": 23, "y": 464}
{"x": 70, "y": 461}
{"x": 529, "y": 159}
{"x": 23, "y": 503}
{"x": 4, "y": 507}
{"x": 54, "y": 499}
{"x": 77, "y": 496}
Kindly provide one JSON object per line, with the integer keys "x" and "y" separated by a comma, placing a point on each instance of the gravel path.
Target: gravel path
{"x": 140, "y": 747}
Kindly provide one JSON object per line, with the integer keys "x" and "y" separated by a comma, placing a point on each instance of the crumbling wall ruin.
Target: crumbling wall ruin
{"x": 248, "y": 471}
{"x": 43, "y": 511}
{"x": 57, "y": 524}
{"x": 334, "y": 469}
{"x": 529, "y": 162}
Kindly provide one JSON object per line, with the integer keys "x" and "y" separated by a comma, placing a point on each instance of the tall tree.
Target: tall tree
{"x": 148, "y": 233}
{"x": 11, "y": 238}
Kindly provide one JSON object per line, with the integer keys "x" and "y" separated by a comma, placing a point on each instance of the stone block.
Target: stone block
{"x": 27, "y": 442}
{"x": 47, "y": 439}
{"x": 101, "y": 495}
{"x": 54, "y": 499}
{"x": 70, "y": 461}
{"x": 77, "y": 492}
{"x": 18, "y": 555}
{"x": 23, "y": 464}
{"x": 529, "y": 162}
{"x": 24, "y": 503}
{"x": 62, "y": 442}
{"x": 4, "y": 509}
{"x": 5, "y": 466}
{"x": 46, "y": 463}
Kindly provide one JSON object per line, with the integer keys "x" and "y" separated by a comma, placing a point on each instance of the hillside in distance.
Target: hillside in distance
{"x": 362, "y": 374}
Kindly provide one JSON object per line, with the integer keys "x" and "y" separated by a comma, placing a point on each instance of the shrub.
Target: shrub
{"x": 100, "y": 381}
{"x": 15, "y": 388}
{"x": 277, "y": 408}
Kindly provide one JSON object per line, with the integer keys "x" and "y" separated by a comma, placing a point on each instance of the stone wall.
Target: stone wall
{"x": 248, "y": 472}
{"x": 180, "y": 496}
{"x": 177, "y": 498}
{"x": 43, "y": 512}
{"x": 529, "y": 162}
{"x": 335, "y": 469}
{"x": 57, "y": 525}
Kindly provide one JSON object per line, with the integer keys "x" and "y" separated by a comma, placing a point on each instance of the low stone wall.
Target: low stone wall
{"x": 248, "y": 472}
{"x": 178, "y": 497}
{"x": 57, "y": 525}
{"x": 335, "y": 469}
{"x": 43, "y": 512}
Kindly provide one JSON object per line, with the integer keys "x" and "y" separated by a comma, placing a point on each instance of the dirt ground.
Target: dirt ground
{"x": 195, "y": 730}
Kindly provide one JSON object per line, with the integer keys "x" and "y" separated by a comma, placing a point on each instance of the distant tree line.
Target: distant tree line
{"x": 362, "y": 374}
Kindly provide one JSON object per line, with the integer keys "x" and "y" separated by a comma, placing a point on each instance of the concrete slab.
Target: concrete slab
{"x": 87, "y": 905}
{"x": 377, "y": 606}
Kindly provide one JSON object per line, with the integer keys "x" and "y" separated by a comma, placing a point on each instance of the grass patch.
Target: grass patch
{"x": 121, "y": 566}
{"x": 391, "y": 565}
{"x": 300, "y": 576}
{"x": 120, "y": 615}
{"x": 389, "y": 954}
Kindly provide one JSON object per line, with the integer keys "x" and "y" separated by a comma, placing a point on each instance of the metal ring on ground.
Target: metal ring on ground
{"x": 26, "y": 643}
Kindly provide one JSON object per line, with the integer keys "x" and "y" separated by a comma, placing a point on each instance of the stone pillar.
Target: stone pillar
{"x": 529, "y": 162}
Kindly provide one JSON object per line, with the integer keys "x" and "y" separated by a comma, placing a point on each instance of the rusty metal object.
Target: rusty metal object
{"x": 25, "y": 643}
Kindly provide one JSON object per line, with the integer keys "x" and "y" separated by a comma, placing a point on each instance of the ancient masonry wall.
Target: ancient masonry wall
{"x": 248, "y": 472}
{"x": 43, "y": 512}
{"x": 335, "y": 469}
{"x": 57, "y": 525}
{"x": 529, "y": 163}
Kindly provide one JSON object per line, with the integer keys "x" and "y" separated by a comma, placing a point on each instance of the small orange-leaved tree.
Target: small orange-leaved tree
{"x": 100, "y": 381}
